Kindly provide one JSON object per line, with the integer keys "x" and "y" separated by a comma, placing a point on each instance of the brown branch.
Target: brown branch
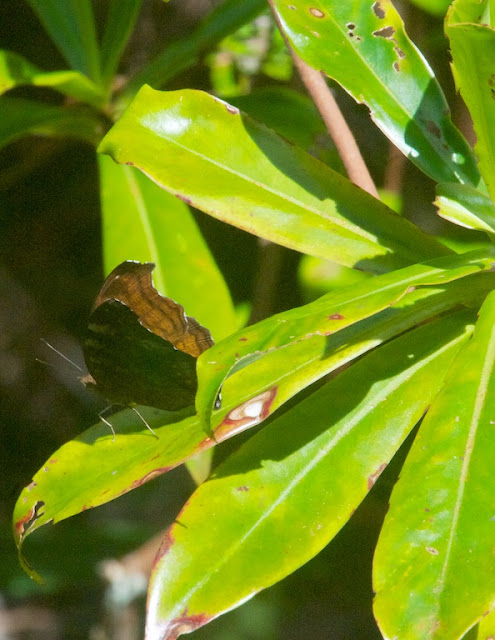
{"x": 335, "y": 123}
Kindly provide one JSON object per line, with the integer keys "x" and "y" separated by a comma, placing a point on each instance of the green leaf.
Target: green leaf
{"x": 226, "y": 164}
{"x": 71, "y": 26}
{"x": 363, "y": 46}
{"x": 121, "y": 18}
{"x": 434, "y": 7}
{"x": 321, "y": 321}
{"x": 142, "y": 222}
{"x": 224, "y": 19}
{"x": 473, "y": 49}
{"x": 22, "y": 117}
{"x": 293, "y": 116}
{"x": 466, "y": 206}
{"x": 486, "y": 627}
{"x": 16, "y": 70}
{"x": 285, "y": 494}
{"x": 440, "y": 526}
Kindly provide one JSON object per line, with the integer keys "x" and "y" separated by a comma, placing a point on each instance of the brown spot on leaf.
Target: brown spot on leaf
{"x": 432, "y": 550}
{"x": 291, "y": 7}
{"x": 378, "y": 10}
{"x": 242, "y": 339}
{"x": 167, "y": 541}
{"x": 243, "y": 488}
{"x": 231, "y": 109}
{"x": 433, "y": 129}
{"x": 491, "y": 80}
{"x": 351, "y": 26}
{"x": 31, "y": 486}
{"x": 385, "y": 32}
{"x": 149, "y": 476}
{"x": 184, "y": 198}
{"x": 27, "y": 521}
{"x": 317, "y": 13}
{"x": 374, "y": 476}
{"x": 336, "y": 316}
{"x": 396, "y": 66}
{"x": 246, "y": 415}
{"x": 492, "y": 91}
{"x": 399, "y": 52}
{"x": 182, "y": 624}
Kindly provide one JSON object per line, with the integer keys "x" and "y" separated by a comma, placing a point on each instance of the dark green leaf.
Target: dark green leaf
{"x": 70, "y": 24}
{"x": 22, "y": 117}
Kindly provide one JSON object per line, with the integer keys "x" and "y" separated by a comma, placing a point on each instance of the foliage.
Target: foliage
{"x": 416, "y": 337}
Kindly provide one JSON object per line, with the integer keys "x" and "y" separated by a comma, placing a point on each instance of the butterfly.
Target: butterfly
{"x": 140, "y": 346}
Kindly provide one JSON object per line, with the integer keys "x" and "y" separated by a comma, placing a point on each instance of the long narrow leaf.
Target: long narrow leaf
{"x": 20, "y": 117}
{"x": 121, "y": 18}
{"x": 440, "y": 527}
{"x": 472, "y": 44}
{"x": 143, "y": 222}
{"x": 283, "y": 496}
{"x": 466, "y": 206}
{"x": 224, "y": 163}
{"x": 71, "y": 26}
{"x": 326, "y": 317}
{"x": 362, "y": 44}
{"x": 16, "y": 70}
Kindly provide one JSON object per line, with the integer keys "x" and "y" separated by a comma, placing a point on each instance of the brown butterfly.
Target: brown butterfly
{"x": 141, "y": 347}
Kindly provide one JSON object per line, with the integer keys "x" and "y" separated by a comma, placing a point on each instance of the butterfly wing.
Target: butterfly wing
{"x": 140, "y": 346}
{"x": 131, "y": 365}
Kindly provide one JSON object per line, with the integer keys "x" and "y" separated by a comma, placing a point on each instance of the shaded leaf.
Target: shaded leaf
{"x": 71, "y": 26}
{"x": 16, "y": 70}
{"x": 224, "y": 163}
{"x": 363, "y": 46}
{"x": 440, "y": 526}
{"x": 20, "y": 117}
{"x": 224, "y": 19}
{"x": 120, "y": 21}
{"x": 284, "y": 494}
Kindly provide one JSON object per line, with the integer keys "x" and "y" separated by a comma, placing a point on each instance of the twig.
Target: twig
{"x": 335, "y": 123}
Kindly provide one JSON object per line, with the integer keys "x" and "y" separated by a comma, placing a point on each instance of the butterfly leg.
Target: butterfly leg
{"x": 144, "y": 421}
{"x": 107, "y": 422}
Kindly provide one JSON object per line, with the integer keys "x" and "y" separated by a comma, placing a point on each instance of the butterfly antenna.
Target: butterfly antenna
{"x": 107, "y": 422}
{"x": 144, "y": 421}
{"x": 50, "y": 346}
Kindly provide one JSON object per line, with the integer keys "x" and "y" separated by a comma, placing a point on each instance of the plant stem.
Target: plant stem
{"x": 335, "y": 123}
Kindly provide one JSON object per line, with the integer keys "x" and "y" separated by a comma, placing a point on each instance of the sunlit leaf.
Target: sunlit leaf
{"x": 472, "y": 44}
{"x": 226, "y": 164}
{"x": 363, "y": 46}
{"x": 322, "y": 321}
{"x": 282, "y": 497}
{"x": 466, "y": 206}
{"x": 434, "y": 565}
